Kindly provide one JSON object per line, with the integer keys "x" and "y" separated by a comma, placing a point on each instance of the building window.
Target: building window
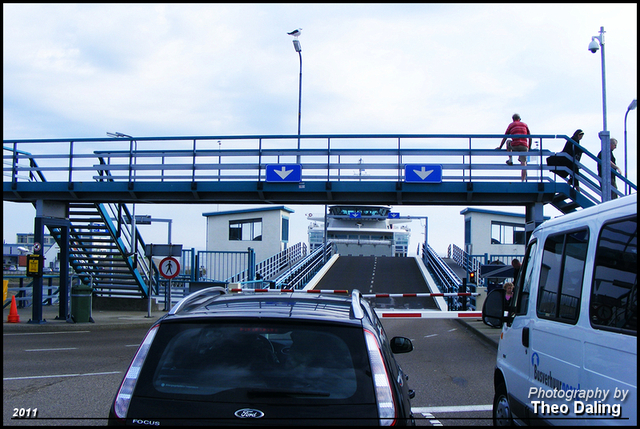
{"x": 285, "y": 229}
{"x": 467, "y": 231}
{"x": 507, "y": 233}
{"x": 245, "y": 230}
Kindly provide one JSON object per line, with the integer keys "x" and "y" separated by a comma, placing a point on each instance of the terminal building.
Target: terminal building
{"x": 265, "y": 230}
{"x": 490, "y": 233}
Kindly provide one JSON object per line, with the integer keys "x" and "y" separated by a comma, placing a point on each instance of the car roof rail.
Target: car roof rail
{"x": 355, "y": 304}
{"x": 197, "y": 299}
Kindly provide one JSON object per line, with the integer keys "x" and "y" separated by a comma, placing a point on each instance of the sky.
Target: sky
{"x": 81, "y": 70}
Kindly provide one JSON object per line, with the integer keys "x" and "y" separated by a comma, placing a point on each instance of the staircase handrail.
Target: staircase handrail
{"x": 145, "y": 273}
{"x": 133, "y": 253}
{"x": 33, "y": 165}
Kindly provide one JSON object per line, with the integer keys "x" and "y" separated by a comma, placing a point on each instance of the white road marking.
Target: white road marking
{"x": 51, "y": 350}
{"x": 47, "y": 333}
{"x": 432, "y": 419}
{"x": 452, "y": 409}
{"x": 61, "y": 375}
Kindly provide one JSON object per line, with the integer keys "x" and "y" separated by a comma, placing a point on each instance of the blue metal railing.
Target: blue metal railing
{"x": 446, "y": 280}
{"x": 24, "y": 291}
{"x": 300, "y": 274}
{"x": 271, "y": 267}
{"x": 463, "y": 157}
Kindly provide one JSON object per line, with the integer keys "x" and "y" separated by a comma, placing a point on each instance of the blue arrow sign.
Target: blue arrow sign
{"x": 423, "y": 173}
{"x": 355, "y": 215}
{"x": 394, "y": 215}
{"x": 284, "y": 173}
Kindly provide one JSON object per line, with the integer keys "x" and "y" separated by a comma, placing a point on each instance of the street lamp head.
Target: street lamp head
{"x": 296, "y": 45}
{"x": 633, "y": 104}
{"x": 594, "y": 46}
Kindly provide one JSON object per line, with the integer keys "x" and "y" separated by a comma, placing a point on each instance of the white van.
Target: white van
{"x": 568, "y": 348}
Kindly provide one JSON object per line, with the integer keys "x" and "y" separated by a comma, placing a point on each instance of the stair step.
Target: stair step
{"x": 95, "y": 255}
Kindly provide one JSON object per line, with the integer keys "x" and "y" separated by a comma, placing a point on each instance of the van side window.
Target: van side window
{"x": 523, "y": 286}
{"x": 562, "y": 271}
{"x": 614, "y": 291}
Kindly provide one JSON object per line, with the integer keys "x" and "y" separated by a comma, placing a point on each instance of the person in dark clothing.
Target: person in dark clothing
{"x": 614, "y": 167}
{"x": 515, "y": 263}
{"x": 574, "y": 151}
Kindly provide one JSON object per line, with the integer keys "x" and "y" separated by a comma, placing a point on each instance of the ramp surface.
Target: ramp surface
{"x": 373, "y": 274}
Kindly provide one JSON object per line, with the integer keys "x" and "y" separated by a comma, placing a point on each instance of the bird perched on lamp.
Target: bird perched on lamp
{"x": 295, "y": 33}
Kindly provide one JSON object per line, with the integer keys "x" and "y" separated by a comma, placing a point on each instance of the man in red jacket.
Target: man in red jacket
{"x": 518, "y": 144}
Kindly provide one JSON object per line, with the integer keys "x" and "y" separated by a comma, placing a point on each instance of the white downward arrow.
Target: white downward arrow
{"x": 283, "y": 173}
{"x": 422, "y": 174}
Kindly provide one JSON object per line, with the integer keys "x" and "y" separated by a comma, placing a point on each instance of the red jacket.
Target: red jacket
{"x": 518, "y": 127}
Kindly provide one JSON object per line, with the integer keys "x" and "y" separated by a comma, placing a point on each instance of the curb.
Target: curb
{"x": 489, "y": 340}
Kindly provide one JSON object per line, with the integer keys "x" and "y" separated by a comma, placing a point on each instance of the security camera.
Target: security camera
{"x": 593, "y": 46}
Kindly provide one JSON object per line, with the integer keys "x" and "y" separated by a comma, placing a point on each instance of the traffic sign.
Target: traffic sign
{"x": 291, "y": 173}
{"x": 423, "y": 173}
{"x": 394, "y": 215}
{"x": 169, "y": 267}
{"x": 163, "y": 249}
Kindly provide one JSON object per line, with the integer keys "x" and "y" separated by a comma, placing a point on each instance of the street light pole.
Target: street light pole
{"x": 632, "y": 106}
{"x": 298, "y": 48}
{"x": 133, "y": 147}
{"x": 605, "y": 145}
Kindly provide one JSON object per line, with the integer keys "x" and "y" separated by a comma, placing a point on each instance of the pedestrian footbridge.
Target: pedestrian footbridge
{"x": 80, "y": 187}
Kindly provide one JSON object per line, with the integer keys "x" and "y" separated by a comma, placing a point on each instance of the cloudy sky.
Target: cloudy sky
{"x": 80, "y": 70}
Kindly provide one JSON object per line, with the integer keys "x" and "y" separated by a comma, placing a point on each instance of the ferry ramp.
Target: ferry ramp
{"x": 375, "y": 274}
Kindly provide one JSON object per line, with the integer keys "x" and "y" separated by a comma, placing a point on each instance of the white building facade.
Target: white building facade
{"x": 494, "y": 233}
{"x": 265, "y": 230}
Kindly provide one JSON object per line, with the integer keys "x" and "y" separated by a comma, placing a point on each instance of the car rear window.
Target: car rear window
{"x": 267, "y": 362}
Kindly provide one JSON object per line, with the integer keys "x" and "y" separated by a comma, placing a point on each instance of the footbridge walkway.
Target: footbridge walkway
{"x": 81, "y": 187}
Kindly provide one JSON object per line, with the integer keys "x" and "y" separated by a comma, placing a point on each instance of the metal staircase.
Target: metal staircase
{"x": 101, "y": 253}
{"x": 104, "y": 251}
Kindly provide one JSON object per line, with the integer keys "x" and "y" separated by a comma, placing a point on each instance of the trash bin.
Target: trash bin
{"x": 81, "y": 303}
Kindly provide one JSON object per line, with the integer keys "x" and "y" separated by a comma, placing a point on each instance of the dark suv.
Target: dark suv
{"x": 285, "y": 358}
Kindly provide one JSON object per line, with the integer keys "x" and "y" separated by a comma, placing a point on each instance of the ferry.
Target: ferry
{"x": 361, "y": 231}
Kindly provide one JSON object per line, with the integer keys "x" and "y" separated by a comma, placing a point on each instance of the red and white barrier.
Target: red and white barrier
{"x": 364, "y": 295}
{"x": 426, "y": 314}
{"x": 340, "y": 291}
{"x": 416, "y": 295}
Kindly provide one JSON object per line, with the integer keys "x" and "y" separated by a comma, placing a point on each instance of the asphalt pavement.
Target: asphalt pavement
{"x": 102, "y": 319}
{"x": 114, "y": 319}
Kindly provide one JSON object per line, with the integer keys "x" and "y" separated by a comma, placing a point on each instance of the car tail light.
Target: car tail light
{"x": 123, "y": 398}
{"x": 382, "y": 384}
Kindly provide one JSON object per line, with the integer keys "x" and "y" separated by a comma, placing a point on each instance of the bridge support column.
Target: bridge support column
{"x": 52, "y": 215}
{"x": 36, "y": 296}
{"x": 533, "y": 216}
